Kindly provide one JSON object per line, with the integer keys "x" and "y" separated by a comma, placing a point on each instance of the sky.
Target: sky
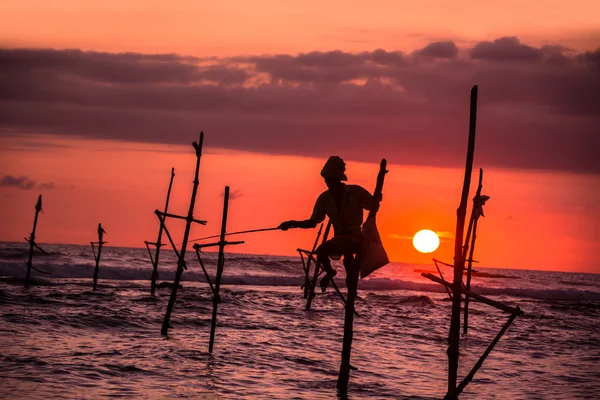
{"x": 100, "y": 99}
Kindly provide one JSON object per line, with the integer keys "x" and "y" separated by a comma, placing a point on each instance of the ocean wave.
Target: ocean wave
{"x": 232, "y": 276}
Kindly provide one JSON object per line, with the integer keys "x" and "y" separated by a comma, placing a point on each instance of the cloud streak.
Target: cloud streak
{"x": 539, "y": 106}
{"x": 23, "y": 183}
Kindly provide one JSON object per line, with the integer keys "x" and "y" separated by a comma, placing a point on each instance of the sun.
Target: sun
{"x": 426, "y": 241}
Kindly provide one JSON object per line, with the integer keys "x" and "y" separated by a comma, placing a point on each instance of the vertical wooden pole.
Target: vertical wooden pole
{"x": 306, "y": 275}
{"x": 352, "y": 274}
{"x": 220, "y": 264}
{"x": 468, "y": 284}
{"x": 186, "y": 235}
{"x": 154, "y": 277}
{"x": 38, "y": 208}
{"x": 313, "y": 283}
{"x": 459, "y": 260}
{"x": 101, "y": 233}
{"x": 472, "y": 227}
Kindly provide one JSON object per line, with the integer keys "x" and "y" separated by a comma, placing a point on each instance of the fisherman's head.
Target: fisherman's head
{"x": 333, "y": 172}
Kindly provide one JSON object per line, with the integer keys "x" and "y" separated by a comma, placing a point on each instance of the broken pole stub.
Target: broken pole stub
{"x": 31, "y": 240}
{"x": 100, "y": 242}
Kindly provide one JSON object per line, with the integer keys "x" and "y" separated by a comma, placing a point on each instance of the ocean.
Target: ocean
{"x": 60, "y": 339}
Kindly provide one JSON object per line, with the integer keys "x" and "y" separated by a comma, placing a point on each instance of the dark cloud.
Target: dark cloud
{"x": 413, "y": 109}
{"x": 46, "y": 185}
{"x": 445, "y": 49}
{"x": 505, "y": 49}
{"x": 235, "y": 194}
{"x": 21, "y": 182}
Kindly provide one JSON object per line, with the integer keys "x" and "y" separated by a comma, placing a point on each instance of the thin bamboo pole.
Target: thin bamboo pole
{"x": 313, "y": 283}
{"x": 487, "y": 351}
{"x": 31, "y": 240}
{"x": 307, "y": 269}
{"x": 158, "y": 243}
{"x": 478, "y": 297}
{"x": 459, "y": 260}
{"x": 189, "y": 219}
{"x": 100, "y": 242}
{"x": 220, "y": 264}
{"x": 472, "y": 227}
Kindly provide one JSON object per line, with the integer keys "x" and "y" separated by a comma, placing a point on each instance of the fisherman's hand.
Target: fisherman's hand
{"x": 284, "y": 226}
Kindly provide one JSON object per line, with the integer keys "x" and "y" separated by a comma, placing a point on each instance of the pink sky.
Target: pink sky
{"x": 277, "y": 87}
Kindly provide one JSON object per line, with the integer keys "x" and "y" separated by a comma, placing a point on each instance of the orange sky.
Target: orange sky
{"x": 533, "y": 220}
{"x": 273, "y": 26}
{"x": 536, "y": 220}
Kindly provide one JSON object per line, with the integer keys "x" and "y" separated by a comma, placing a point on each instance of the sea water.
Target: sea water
{"x": 61, "y": 339}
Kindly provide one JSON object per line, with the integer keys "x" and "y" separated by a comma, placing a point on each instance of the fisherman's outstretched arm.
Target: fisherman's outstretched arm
{"x": 317, "y": 216}
{"x": 306, "y": 224}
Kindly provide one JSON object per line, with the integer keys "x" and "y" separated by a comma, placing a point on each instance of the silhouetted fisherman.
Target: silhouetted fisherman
{"x": 344, "y": 205}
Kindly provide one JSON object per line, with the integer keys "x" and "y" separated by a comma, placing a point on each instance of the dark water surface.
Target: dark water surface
{"x": 62, "y": 340}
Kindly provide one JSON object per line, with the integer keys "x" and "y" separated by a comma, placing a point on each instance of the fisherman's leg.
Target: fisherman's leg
{"x": 324, "y": 251}
{"x": 351, "y": 265}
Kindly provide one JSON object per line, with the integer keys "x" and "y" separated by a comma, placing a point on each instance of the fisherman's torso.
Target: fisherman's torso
{"x": 345, "y": 209}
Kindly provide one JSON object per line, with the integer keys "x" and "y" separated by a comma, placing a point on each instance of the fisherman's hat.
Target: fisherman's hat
{"x": 334, "y": 169}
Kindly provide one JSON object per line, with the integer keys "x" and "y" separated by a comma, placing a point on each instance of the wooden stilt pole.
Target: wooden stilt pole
{"x": 158, "y": 243}
{"x": 313, "y": 283}
{"x": 459, "y": 260}
{"x": 352, "y": 274}
{"x": 100, "y": 242}
{"x": 307, "y": 269}
{"x": 189, "y": 219}
{"x": 220, "y": 264}
{"x": 31, "y": 240}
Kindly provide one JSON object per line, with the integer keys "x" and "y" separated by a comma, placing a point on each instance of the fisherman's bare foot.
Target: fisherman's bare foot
{"x": 327, "y": 279}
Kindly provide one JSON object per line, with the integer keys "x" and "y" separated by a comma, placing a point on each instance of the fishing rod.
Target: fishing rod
{"x": 236, "y": 233}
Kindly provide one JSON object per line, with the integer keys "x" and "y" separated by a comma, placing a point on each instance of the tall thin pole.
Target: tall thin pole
{"x": 475, "y": 213}
{"x": 38, "y": 208}
{"x": 154, "y": 277}
{"x": 220, "y": 263}
{"x": 308, "y": 261}
{"x": 313, "y": 283}
{"x": 186, "y": 234}
{"x": 459, "y": 260}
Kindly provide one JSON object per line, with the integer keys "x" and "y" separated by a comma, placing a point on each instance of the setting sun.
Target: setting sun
{"x": 426, "y": 241}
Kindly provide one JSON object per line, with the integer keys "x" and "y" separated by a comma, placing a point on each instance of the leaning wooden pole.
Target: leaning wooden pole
{"x": 158, "y": 243}
{"x": 475, "y": 213}
{"x": 313, "y": 282}
{"x": 186, "y": 235}
{"x": 352, "y": 274}
{"x": 31, "y": 240}
{"x": 100, "y": 242}
{"x": 220, "y": 263}
{"x": 308, "y": 261}
{"x": 459, "y": 260}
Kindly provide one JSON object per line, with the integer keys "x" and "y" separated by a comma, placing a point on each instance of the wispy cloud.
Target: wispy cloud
{"x": 23, "y": 183}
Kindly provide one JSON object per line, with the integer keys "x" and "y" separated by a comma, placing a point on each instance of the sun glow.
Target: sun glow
{"x": 426, "y": 241}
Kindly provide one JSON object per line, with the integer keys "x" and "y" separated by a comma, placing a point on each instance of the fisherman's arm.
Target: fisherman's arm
{"x": 306, "y": 224}
{"x": 317, "y": 216}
